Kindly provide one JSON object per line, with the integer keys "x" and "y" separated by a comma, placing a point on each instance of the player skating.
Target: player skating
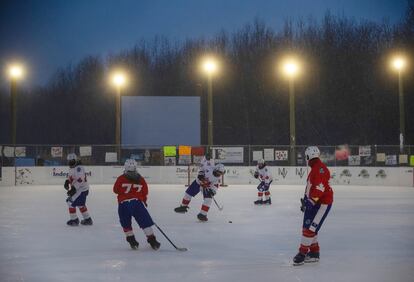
{"x": 132, "y": 191}
{"x": 207, "y": 182}
{"x": 316, "y": 205}
{"x": 78, "y": 190}
{"x": 262, "y": 173}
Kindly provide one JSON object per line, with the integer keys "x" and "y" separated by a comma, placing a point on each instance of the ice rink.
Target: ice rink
{"x": 368, "y": 236}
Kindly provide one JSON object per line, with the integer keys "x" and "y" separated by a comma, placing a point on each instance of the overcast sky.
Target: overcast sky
{"x": 48, "y": 34}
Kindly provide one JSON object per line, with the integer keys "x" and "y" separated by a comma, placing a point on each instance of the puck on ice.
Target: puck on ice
{"x": 230, "y": 221}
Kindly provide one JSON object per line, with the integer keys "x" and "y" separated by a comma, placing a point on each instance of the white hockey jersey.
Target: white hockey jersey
{"x": 77, "y": 178}
{"x": 210, "y": 181}
{"x": 264, "y": 174}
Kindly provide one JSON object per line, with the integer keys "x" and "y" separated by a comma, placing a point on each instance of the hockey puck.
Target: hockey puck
{"x": 230, "y": 221}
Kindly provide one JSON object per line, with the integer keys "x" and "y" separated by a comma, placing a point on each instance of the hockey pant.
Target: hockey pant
{"x": 134, "y": 208}
{"x": 313, "y": 219}
{"x": 263, "y": 189}
{"x": 192, "y": 191}
{"x": 78, "y": 200}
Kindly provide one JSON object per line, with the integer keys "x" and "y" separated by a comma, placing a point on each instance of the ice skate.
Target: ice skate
{"x": 312, "y": 257}
{"x": 267, "y": 202}
{"x": 153, "y": 242}
{"x": 73, "y": 222}
{"x": 181, "y": 209}
{"x": 299, "y": 259}
{"x": 87, "y": 221}
{"x": 132, "y": 242}
{"x": 258, "y": 202}
{"x": 202, "y": 217}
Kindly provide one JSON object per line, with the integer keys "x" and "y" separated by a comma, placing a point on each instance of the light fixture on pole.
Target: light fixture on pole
{"x": 399, "y": 63}
{"x": 210, "y": 67}
{"x": 119, "y": 80}
{"x": 291, "y": 69}
{"x": 16, "y": 73}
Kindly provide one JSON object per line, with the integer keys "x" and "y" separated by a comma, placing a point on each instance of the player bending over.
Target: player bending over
{"x": 316, "y": 205}
{"x": 207, "y": 182}
{"x": 132, "y": 191}
{"x": 263, "y": 174}
{"x": 78, "y": 189}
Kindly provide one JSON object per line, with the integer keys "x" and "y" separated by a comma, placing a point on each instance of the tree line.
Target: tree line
{"x": 346, "y": 93}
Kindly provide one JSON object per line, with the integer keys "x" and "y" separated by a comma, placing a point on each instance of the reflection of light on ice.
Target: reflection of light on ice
{"x": 117, "y": 264}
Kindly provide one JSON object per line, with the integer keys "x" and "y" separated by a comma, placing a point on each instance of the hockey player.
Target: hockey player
{"x": 77, "y": 187}
{"x": 132, "y": 191}
{"x": 316, "y": 205}
{"x": 263, "y": 174}
{"x": 207, "y": 182}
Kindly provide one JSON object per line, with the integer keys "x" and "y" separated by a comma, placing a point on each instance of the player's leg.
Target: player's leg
{"x": 312, "y": 221}
{"x": 125, "y": 216}
{"x": 313, "y": 254}
{"x": 259, "y": 200}
{"x": 205, "y": 206}
{"x": 191, "y": 191}
{"x": 144, "y": 220}
{"x": 73, "y": 218}
{"x": 80, "y": 202}
{"x": 266, "y": 190}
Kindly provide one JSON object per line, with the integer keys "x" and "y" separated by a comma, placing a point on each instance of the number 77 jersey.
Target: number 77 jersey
{"x": 128, "y": 189}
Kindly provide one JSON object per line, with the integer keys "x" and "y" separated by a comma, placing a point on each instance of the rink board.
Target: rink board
{"x": 371, "y": 176}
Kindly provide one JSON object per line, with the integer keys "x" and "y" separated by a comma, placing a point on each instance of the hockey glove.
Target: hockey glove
{"x": 256, "y": 175}
{"x": 201, "y": 175}
{"x": 302, "y": 205}
{"x": 71, "y": 192}
{"x": 66, "y": 185}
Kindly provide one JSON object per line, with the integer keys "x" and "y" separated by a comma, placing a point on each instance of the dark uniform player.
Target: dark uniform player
{"x": 316, "y": 205}
{"x": 132, "y": 191}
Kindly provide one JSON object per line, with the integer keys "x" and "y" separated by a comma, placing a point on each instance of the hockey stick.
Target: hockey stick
{"x": 218, "y": 206}
{"x": 166, "y": 237}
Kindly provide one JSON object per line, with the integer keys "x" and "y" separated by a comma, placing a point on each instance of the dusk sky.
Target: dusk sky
{"x": 49, "y": 34}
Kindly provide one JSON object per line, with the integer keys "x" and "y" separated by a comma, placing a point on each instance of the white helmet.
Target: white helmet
{"x": 72, "y": 156}
{"x": 130, "y": 165}
{"x": 219, "y": 168}
{"x": 261, "y": 162}
{"x": 312, "y": 152}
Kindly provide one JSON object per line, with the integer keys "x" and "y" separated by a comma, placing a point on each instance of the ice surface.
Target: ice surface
{"x": 368, "y": 236}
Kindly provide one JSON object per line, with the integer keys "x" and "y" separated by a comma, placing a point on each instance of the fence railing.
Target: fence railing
{"x": 236, "y": 155}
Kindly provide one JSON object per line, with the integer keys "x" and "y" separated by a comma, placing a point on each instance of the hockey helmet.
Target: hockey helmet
{"x": 312, "y": 152}
{"x": 130, "y": 165}
{"x": 261, "y": 163}
{"x": 219, "y": 170}
{"x": 72, "y": 159}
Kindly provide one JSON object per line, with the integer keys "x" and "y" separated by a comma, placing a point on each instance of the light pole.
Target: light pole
{"x": 118, "y": 80}
{"x": 291, "y": 69}
{"x": 15, "y": 74}
{"x": 399, "y": 64}
{"x": 210, "y": 68}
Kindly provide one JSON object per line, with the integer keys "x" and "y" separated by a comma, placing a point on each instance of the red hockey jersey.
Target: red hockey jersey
{"x": 318, "y": 188}
{"x": 128, "y": 189}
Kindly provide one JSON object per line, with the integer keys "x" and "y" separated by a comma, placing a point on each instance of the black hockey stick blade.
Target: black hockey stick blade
{"x": 166, "y": 237}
